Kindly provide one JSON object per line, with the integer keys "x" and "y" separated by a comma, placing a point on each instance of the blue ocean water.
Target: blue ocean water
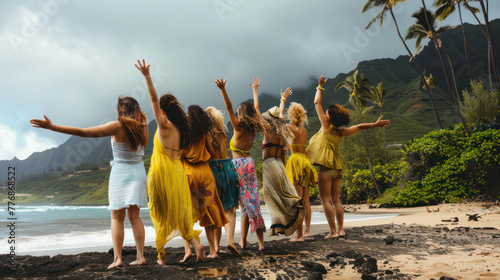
{"x": 50, "y": 230}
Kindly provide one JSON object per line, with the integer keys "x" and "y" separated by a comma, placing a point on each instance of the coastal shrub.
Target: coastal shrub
{"x": 447, "y": 166}
{"x": 361, "y": 187}
{"x": 479, "y": 104}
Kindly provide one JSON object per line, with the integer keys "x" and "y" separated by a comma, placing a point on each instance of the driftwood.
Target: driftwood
{"x": 473, "y": 217}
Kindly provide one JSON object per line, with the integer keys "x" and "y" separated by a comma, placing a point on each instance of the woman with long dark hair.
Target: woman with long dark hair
{"x": 127, "y": 181}
{"x": 170, "y": 204}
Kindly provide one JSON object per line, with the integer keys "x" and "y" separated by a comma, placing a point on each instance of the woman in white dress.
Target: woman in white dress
{"x": 127, "y": 181}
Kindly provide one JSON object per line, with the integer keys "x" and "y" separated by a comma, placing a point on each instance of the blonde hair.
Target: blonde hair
{"x": 297, "y": 114}
{"x": 219, "y": 129}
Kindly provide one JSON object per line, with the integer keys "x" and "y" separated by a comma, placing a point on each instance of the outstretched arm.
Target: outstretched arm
{"x": 325, "y": 122}
{"x": 347, "y": 131}
{"x": 152, "y": 93}
{"x": 108, "y": 129}
{"x": 229, "y": 106}
{"x": 255, "y": 88}
{"x": 284, "y": 96}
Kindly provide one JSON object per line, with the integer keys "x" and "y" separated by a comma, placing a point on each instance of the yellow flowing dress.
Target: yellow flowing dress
{"x": 207, "y": 207}
{"x": 323, "y": 149}
{"x": 170, "y": 204}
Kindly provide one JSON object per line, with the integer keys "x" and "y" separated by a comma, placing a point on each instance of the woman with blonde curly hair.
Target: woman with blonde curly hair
{"x": 323, "y": 151}
{"x": 226, "y": 177}
{"x": 298, "y": 168}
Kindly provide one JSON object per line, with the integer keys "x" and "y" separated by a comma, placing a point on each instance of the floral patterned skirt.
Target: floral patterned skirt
{"x": 249, "y": 192}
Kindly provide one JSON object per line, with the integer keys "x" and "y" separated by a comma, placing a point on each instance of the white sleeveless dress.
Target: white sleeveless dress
{"x": 127, "y": 181}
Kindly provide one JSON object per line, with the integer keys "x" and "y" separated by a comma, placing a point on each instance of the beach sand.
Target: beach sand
{"x": 417, "y": 244}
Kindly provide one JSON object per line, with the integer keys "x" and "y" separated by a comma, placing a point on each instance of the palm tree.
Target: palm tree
{"x": 359, "y": 93}
{"x": 447, "y": 7}
{"x": 423, "y": 28}
{"x": 378, "y": 95}
{"x": 388, "y": 5}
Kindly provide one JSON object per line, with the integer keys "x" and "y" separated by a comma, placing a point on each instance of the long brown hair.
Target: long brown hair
{"x": 175, "y": 113}
{"x": 134, "y": 122}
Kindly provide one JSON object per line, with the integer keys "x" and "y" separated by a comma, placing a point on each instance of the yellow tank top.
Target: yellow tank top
{"x": 323, "y": 149}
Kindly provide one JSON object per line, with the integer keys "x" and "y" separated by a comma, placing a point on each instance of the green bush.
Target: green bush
{"x": 447, "y": 166}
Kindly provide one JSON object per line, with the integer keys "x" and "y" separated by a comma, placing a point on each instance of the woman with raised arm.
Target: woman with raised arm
{"x": 170, "y": 204}
{"x": 323, "y": 151}
{"x": 285, "y": 206}
{"x": 207, "y": 207}
{"x": 127, "y": 181}
{"x": 246, "y": 125}
{"x": 226, "y": 177}
{"x": 298, "y": 168}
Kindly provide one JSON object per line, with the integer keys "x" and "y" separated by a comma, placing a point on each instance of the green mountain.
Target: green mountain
{"x": 406, "y": 105}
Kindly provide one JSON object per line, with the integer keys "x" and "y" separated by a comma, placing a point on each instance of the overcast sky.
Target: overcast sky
{"x": 70, "y": 60}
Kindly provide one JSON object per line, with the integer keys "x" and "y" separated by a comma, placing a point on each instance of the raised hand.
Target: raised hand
{"x": 322, "y": 81}
{"x": 221, "y": 84}
{"x": 255, "y": 84}
{"x": 47, "y": 124}
{"x": 381, "y": 123}
{"x": 287, "y": 93}
{"x": 143, "y": 68}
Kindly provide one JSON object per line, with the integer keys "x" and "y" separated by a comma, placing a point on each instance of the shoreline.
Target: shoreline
{"x": 417, "y": 244}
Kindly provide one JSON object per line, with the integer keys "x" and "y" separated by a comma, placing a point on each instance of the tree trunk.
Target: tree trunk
{"x": 370, "y": 164}
{"x": 490, "y": 44}
{"x": 455, "y": 103}
{"x": 436, "y": 114}
{"x": 465, "y": 40}
{"x": 452, "y": 73}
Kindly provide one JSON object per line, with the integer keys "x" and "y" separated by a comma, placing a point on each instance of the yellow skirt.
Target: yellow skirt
{"x": 170, "y": 203}
{"x": 300, "y": 171}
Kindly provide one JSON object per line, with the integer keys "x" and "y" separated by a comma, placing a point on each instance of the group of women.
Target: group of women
{"x": 192, "y": 179}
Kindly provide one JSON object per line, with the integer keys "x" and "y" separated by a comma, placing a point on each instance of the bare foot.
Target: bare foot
{"x": 342, "y": 233}
{"x": 200, "y": 254}
{"x": 233, "y": 249}
{"x": 138, "y": 262}
{"x": 307, "y": 234}
{"x": 243, "y": 246}
{"x": 161, "y": 262}
{"x": 332, "y": 235}
{"x": 296, "y": 239}
{"x": 115, "y": 264}
{"x": 217, "y": 249}
{"x": 188, "y": 255}
{"x": 213, "y": 256}
{"x": 261, "y": 248}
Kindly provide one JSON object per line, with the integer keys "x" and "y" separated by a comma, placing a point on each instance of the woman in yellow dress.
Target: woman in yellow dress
{"x": 298, "y": 168}
{"x": 170, "y": 203}
{"x": 207, "y": 206}
{"x": 323, "y": 151}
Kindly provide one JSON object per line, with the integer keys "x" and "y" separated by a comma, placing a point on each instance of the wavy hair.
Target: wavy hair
{"x": 134, "y": 122}
{"x": 249, "y": 119}
{"x": 175, "y": 113}
{"x": 297, "y": 114}
{"x": 279, "y": 125}
{"x": 199, "y": 123}
{"x": 219, "y": 130}
{"x": 339, "y": 116}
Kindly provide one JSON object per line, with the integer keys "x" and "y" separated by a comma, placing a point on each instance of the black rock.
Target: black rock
{"x": 351, "y": 255}
{"x": 332, "y": 255}
{"x": 314, "y": 267}
{"x": 368, "y": 277}
{"x": 389, "y": 272}
{"x": 445, "y": 229}
{"x": 315, "y": 276}
{"x": 359, "y": 262}
{"x": 389, "y": 240}
{"x": 446, "y": 278}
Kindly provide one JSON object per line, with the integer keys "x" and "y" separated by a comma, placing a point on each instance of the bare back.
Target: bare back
{"x": 170, "y": 139}
{"x": 243, "y": 140}
{"x": 298, "y": 143}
